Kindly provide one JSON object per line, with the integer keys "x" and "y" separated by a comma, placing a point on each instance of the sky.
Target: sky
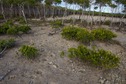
{"x": 104, "y": 9}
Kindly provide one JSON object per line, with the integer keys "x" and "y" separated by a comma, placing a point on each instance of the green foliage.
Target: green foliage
{"x": 99, "y": 58}
{"x": 5, "y": 27}
{"x": 83, "y": 35}
{"x": 1, "y": 17}
{"x": 20, "y": 20}
{"x": 28, "y": 51}
{"x": 6, "y": 43}
{"x": 70, "y": 32}
{"x": 62, "y": 54}
{"x": 12, "y": 31}
{"x": 24, "y": 29}
{"x": 107, "y": 22}
{"x": 103, "y": 34}
{"x": 56, "y": 24}
{"x": 79, "y": 34}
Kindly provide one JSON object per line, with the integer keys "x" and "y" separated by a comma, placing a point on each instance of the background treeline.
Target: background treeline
{"x": 50, "y": 8}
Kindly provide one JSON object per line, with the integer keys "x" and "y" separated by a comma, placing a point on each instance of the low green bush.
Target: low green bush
{"x": 107, "y": 22}
{"x": 1, "y": 17}
{"x": 28, "y": 51}
{"x": 100, "y": 58}
{"x": 24, "y": 29}
{"x": 75, "y": 33}
{"x": 70, "y": 32}
{"x": 83, "y": 35}
{"x": 6, "y": 43}
{"x": 12, "y": 31}
{"x": 103, "y": 34}
{"x": 56, "y": 24}
{"x": 4, "y": 27}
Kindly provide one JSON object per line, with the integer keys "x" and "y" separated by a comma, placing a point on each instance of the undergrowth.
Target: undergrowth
{"x": 28, "y": 51}
{"x": 100, "y": 57}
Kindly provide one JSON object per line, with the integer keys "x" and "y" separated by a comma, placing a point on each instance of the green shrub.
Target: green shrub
{"x": 6, "y": 43}
{"x": 12, "y": 31}
{"x": 83, "y": 35}
{"x": 79, "y": 34}
{"x": 99, "y": 58}
{"x": 1, "y": 17}
{"x": 107, "y": 22}
{"x": 70, "y": 32}
{"x": 4, "y": 27}
{"x": 28, "y": 51}
{"x": 103, "y": 34}
{"x": 20, "y": 20}
{"x": 24, "y": 29}
{"x": 56, "y": 24}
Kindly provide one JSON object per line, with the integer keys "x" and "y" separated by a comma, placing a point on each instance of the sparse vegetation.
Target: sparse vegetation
{"x": 24, "y": 29}
{"x": 12, "y": 31}
{"x": 103, "y": 34}
{"x": 62, "y": 53}
{"x": 107, "y": 22}
{"x": 6, "y": 43}
{"x": 98, "y": 57}
{"x": 28, "y": 51}
{"x": 56, "y": 24}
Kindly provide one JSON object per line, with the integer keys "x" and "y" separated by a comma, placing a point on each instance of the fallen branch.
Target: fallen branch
{"x": 2, "y": 51}
{"x": 2, "y": 77}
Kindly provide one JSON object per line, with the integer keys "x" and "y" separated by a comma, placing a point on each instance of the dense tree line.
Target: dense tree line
{"x": 45, "y": 8}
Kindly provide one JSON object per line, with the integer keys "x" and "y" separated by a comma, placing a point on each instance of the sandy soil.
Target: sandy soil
{"x": 89, "y": 18}
{"x": 50, "y": 68}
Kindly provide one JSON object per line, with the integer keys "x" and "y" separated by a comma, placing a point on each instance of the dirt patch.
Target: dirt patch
{"x": 51, "y": 68}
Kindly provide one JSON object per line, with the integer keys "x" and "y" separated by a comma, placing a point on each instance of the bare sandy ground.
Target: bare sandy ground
{"x": 50, "y": 68}
{"x": 89, "y": 18}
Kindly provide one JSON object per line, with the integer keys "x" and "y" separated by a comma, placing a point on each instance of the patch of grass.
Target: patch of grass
{"x": 12, "y": 31}
{"x": 6, "y": 43}
{"x": 56, "y": 24}
{"x": 62, "y": 53}
{"x": 83, "y": 35}
{"x": 107, "y": 22}
{"x": 24, "y": 29}
{"x": 100, "y": 58}
{"x": 76, "y": 33}
{"x": 28, "y": 51}
{"x": 103, "y": 34}
{"x": 70, "y": 32}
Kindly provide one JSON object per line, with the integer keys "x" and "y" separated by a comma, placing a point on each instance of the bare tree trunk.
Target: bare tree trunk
{"x": 23, "y": 13}
{"x": 44, "y": 11}
{"x": 38, "y": 12}
{"x": 29, "y": 11}
{"x": 64, "y": 14}
{"x": 11, "y": 11}
{"x": 2, "y": 8}
{"x": 121, "y": 21}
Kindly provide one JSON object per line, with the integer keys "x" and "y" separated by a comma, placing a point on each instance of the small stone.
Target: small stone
{"x": 107, "y": 82}
{"x": 82, "y": 70}
{"x": 50, "y": 63}
{"x": 55, "y": 66}
{"x": 12, "y": 76}
{"x": 102, "y": 80}
{"x": 53, "y": 55}
{"x": 39, "y": 71}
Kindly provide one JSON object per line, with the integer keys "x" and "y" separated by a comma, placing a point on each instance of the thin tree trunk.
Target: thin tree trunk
{"x": 11, "y": 11}
{"x": 121, "y": 21}
{"x": 29, "y": 11}
{"x": 23, "y": 13}
{"x": 2, "y": 8}
{"x": 64, "y": 14}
